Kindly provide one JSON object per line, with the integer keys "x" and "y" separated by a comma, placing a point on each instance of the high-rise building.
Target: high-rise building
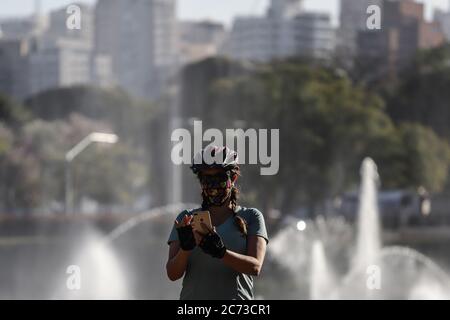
{"x": 251, "y": 38}
{"x": 201, "y": 31}
{"x": 16, "y": 28}
{"x": 285, "y": 9}
{"x": 15, "y": 46}
{"x": 57, "y": 24}
{"x": 353, "y": 19}
{"x": 443, "y": 18}
{"x": 59, "y": 63}
{"x": 140, "y": 38}
{"x": 284, "y": 32}
{"x": 314, "y": 35}
{"x": 404, "y": 32}
{"x": 35, "y": 56}
{"x": 21, "y": 28}
{"x": 14, "y": 67}
{"x": 199, "y": 40}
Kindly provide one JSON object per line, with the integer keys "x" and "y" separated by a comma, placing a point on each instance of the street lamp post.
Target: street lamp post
{"x": 94, "y": 137}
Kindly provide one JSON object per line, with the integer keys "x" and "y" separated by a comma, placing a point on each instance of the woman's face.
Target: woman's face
{"x": 216, "y": 186}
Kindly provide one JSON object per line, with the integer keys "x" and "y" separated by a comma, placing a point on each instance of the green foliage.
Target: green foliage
{"x": 34, "y": 140}
{"x": 422, "y": 95}
{"x": 11, "y": 112}
{"x": 328, "y": 126}
{"x": 127, "y": 116}
{"x": 427, "y": 157}
{"x": 109, "y": 175}
{"x": 6, "y": 140}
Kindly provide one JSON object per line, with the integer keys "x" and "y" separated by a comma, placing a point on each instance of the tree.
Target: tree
{"x": 327, "y": 125}
{"x": 131, "y": 119}
{"x": 422, "y": 93}
{"x": 111, "y": 176}
{"x": 427, "y": 157}
{"x": 127, "y": 116}
{"x": 19, "y": 178}
{"x": 12, "y": 113}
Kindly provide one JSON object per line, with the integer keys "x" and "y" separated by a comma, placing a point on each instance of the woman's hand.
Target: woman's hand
{"x": 185, "y": 233}
{"x": 250, "y": 263}
{"x": 178, "y": 259}
{"x": 211, "y": 243}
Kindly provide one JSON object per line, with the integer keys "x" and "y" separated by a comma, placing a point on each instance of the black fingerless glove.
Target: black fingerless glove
{"x": 212, "y": 244}
{"x": 186, "y": 238}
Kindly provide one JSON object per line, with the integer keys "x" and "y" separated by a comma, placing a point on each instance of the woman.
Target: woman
{"x": 220, "y": 264}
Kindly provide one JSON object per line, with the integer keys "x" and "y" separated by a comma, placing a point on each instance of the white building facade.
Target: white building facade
{"x": 41, "y": 53}
{"x": 60, "y": 63}
{"x": 286, "y": 31}
{"x": 140, "y": 38}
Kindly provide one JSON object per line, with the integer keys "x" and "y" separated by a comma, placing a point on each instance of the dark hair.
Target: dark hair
{"x": 239, "y": 222}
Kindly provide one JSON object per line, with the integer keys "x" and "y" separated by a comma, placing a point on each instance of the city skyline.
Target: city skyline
{"x": 223, "y": 11}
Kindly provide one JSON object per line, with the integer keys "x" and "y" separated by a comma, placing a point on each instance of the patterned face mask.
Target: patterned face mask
{"x": 216, "y": 189}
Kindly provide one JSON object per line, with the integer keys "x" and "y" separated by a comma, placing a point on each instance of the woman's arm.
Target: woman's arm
{"x": 179, "y": 253}
{"x": 251, "y": 263}
{"x": 178, "y": 260}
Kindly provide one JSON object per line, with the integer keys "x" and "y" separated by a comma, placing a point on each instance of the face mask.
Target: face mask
{"x": 216, "y": 190}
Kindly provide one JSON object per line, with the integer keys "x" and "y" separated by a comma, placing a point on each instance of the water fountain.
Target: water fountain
{"x": 368, "y": 242}
{"x": 322, "y": 282}
{"x": 103, "y": 276}
{"x": 404, "y": 272}
{"x": 319, "y": 258}
{"x": 152, "y": 214}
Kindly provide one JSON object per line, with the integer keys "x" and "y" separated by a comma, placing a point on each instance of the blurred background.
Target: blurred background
{"x": 86, "y": 117}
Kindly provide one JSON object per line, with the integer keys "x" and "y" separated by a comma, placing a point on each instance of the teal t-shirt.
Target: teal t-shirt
{"x": 208, "y": 278}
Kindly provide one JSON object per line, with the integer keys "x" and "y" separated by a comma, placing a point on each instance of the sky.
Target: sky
{"x": 219, "y": 10}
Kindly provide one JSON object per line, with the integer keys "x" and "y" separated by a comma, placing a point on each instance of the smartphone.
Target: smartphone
{"x": 199, "y": 218}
